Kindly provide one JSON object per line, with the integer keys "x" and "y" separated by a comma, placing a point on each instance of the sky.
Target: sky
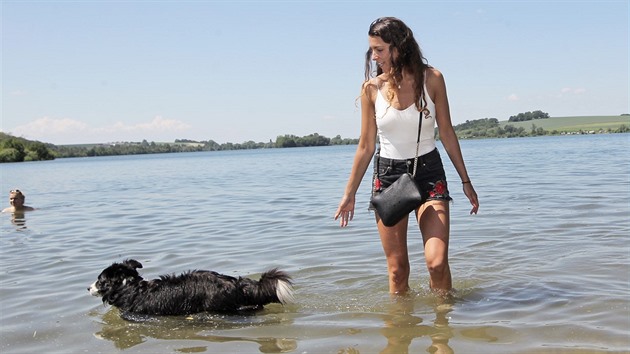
{"x": 76, "y": 72}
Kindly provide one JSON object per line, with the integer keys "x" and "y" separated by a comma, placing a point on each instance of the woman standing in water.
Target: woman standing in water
{"x": 405, "y": 88}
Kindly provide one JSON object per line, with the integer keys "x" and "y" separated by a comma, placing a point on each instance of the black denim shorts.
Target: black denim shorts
{"x": 430, "y": 175}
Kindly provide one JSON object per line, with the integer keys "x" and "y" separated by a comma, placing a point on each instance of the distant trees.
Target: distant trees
{"x": 481, "y": 129}
{"x": 509, "y": 131}
{"x": 309, "y": 140}
{"x": 14, "y": 149}
{"x": 486, "y": 123}
{"x": 521, "y": 117}
{"x": 312, "y": 140}
{"x": 491, "y": 128}
{"x": 343, "y": 141}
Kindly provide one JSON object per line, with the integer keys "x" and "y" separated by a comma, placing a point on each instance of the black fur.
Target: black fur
{"x": 195, "y": 291}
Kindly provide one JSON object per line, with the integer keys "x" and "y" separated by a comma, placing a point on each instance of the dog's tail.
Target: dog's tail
{"x": 277, "y": 286}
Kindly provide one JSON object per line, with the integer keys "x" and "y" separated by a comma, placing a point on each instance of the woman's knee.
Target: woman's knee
{"x": 437, "y": 265}
{"x": 399, "y": 273}
{"x": 436, "y": 255}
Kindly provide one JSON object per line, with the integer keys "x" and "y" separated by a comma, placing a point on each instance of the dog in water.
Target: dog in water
{"x": 121, "y": 285}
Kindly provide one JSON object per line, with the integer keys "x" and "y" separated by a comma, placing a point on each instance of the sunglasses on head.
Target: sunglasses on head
{"x": 380, "y": 19}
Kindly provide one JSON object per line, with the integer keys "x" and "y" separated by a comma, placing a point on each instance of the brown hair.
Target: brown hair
{"x": 400, "y": 38}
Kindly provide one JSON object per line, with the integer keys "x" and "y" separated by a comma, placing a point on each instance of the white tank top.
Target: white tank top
{"x": 398, "y": 129}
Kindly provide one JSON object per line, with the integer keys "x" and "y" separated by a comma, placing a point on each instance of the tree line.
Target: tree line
{"x": 522, "y": 117}
{"x": 15, "y": 149}
{"x": 491, "y": 128}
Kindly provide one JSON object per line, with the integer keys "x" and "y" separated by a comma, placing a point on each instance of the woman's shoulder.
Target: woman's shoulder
{"x": 374, "y": 83}
{"x": 433, "y": 75}
{"x": 371, "y": 87}
{"x": 434, "y": 82}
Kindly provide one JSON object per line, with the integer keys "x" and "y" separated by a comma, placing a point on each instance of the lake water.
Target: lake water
{"x": 543, "y": 268}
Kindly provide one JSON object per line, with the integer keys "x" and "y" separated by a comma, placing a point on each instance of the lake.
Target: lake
{"x": 543, "y": 268}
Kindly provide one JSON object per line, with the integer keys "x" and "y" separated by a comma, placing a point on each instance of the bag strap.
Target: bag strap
{"x": 415, "y": 159}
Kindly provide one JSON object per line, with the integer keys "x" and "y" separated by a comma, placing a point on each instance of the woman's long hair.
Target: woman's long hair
{"x": 400, "y": 38}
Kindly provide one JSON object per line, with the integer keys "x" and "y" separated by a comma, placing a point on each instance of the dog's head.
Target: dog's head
{"x": 115, "y": 276}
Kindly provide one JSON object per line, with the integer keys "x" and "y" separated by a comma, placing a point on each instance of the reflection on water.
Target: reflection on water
{"x": 18, "y": 219}
{"x": 125, "y": 334}
{"x": 402, "y": 327}
{"x": 400, "y": 324}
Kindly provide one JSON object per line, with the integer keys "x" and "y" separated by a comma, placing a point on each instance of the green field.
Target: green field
{"x": 573, "y": 124}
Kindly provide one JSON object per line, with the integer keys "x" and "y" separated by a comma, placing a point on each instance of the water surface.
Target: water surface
{"x": 543, "y": 268}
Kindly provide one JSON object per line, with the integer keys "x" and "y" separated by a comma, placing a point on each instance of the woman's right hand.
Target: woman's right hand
{"x": 345, "y": 210}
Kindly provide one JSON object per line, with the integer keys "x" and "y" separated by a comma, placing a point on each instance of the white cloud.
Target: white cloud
{"x": 18, "y": 93}
{"x": 158, "y": 124}
{"x": 46, "y": 125}
{"x": 513, "y": 97}
{"x": 566, "y": 91}
{"x": 70, "y": 131}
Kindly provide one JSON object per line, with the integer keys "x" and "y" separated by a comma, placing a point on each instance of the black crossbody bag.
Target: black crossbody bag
{"x": 402, "y": 196}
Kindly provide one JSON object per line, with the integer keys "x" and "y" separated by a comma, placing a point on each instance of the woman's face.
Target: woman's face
{"x": 380, "y": 53}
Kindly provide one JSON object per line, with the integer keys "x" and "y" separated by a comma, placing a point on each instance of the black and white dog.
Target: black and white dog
{"x": 192, "y": 292}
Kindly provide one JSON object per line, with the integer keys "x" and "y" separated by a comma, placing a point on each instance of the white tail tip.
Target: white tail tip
{"x": 284, "y": 291}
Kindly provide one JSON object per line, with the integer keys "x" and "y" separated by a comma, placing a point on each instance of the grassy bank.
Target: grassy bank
{"x": 573, "y": 124}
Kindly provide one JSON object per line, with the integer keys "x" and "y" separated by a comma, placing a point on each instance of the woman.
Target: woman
{"x": 391, "y": 102}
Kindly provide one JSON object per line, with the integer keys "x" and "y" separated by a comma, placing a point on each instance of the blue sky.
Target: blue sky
{"x": 105, "y": 71}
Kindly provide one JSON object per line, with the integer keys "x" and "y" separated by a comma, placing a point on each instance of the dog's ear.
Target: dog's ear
{"x": 132, "y": 263}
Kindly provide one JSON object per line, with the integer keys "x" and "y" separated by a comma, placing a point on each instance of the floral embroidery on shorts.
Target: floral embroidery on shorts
{"x": 377, "y": 185}
{"x": 439, "y": 190}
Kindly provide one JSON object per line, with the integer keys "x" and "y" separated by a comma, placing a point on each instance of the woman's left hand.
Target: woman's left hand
{"x": 469, "y": 190}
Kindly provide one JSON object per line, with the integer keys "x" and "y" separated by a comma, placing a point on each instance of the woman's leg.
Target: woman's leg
{"x": 434, "y": 221}
{"x": 394, "y": 240}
